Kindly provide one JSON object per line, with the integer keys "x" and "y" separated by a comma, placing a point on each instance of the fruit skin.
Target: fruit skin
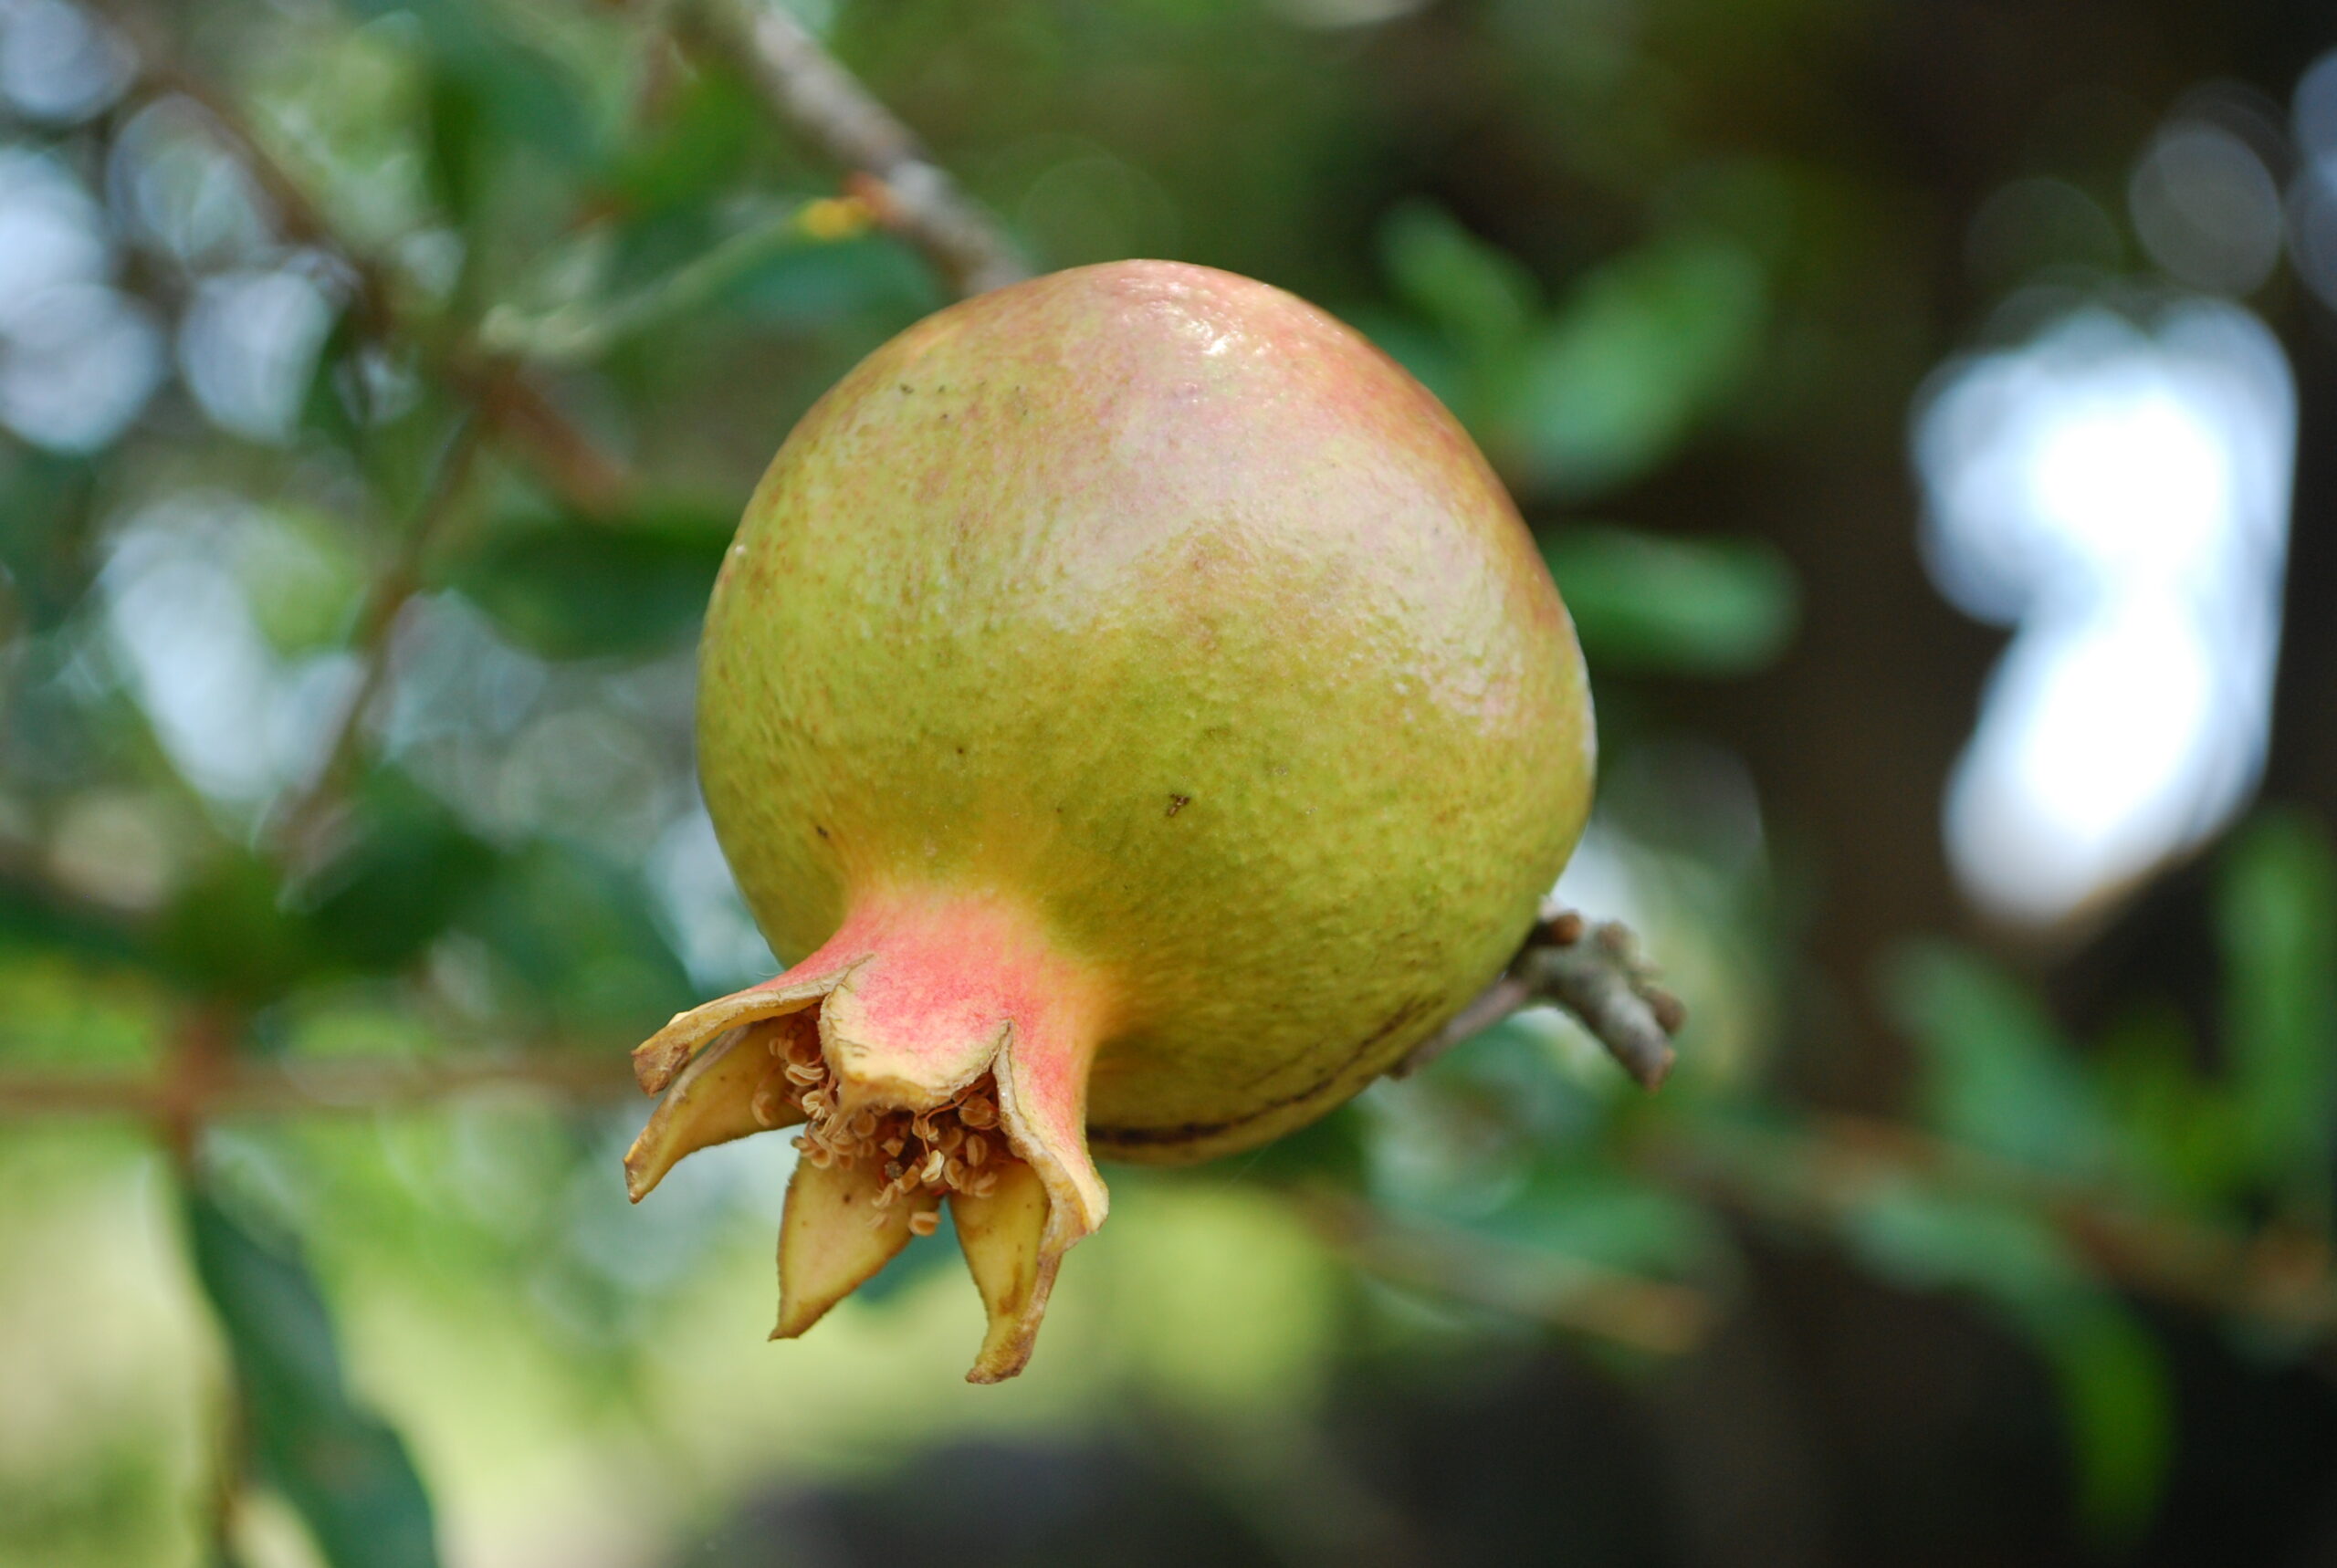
{"x": 1156, "y": 603}
{"x": 1141, "y": 706}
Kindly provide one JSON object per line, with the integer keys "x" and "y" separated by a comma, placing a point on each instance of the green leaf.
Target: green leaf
{"x": 1698, "y": 607}
{"x": 2275, "y": 917}
{"x": 2110, "y": 1373}
{"x": 567, "y": 590}
{"x": 1996, "y": 1073}
{"x": 2118, "y": 1403}
{"x": 47, "y": 558}
{"x": 2183, "y": 1127}
{"x": 228, "y": 933}
{"x": 1641, "y": 351}
{"x": 577, "y": 931}
{"x": 1329, "y": 1151}
{"x": 697, "y": 150}
{"x": 515, "y": 90}
{"x": 412, "y": 867}
{"x": 1598, "y": 1214}
{"x": 36, "y": 919}
{"x": 338, "y": 1465}
{"x": 867, "y": 288}
{"x": 460, "y": 164}
{"x": 1932, "y": 1240}
{"x": 301, "y": 576}
{"x": 1480, "y": 297}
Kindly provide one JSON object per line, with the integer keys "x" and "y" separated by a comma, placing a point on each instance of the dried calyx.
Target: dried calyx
{"x": 913, "y": 1086}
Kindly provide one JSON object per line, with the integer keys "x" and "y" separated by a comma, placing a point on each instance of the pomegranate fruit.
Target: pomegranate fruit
{"x": 1142, "y": 706}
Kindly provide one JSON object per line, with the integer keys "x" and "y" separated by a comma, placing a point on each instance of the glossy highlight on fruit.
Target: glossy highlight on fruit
{"x": 1141, "y": 708}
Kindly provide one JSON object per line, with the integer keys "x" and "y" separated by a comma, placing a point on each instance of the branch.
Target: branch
{"x": 1823, "y": 1172}
{"x": 571, "y": 464}
{"x": 300, "y": 822}
{"x": 580, "y": 332}
{"x": 909, "y": 194}
{"x": 523, "y": 421}
{"x": 1564, "y": 1293}
{"x": 198, "y": 1086}
{"x": 1817, "y": 1175}
{"x": 1603, "y": 981}
{"x": 298, "y": 215}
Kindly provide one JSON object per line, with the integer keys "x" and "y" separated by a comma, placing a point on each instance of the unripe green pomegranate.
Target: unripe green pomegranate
{"x": 1140, "y": 703}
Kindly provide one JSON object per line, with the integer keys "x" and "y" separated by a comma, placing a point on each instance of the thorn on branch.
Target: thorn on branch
{"x": 1595, "y": 972}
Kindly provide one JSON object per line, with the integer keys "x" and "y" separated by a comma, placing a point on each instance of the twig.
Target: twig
{"x": 911, "y": 195}
{"x": 1593, "y": 972}
{"x": 578, "y": 332}
{"x": 302, "y": 820}
{"x": 523, "y": 421}
{"x": 571, "y": 464}
{"x": 201, "y": 1055}
{"x": 1816, "y": 1173}
{"x": 298, "y": 215}
{"x": 1824, "y": 1171}
{"x": 230, "y": 1087}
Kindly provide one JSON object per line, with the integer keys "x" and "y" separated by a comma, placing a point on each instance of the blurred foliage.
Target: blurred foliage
{"x": 2133, "y": 1116}
{"x": 566, "y": 591}
{"x": 347, "y": 1473}
{"x": 375, "y": 779}
{"x": 1697, "y": 607}
{"x": 2277, "y": 916}
{"x": 1576, "y": 400}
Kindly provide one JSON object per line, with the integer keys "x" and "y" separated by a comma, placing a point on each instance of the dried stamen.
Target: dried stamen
{"x": 924, "y": 1154}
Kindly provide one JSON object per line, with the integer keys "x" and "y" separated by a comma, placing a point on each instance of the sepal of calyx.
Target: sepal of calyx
{"x": 935, "y": 1050}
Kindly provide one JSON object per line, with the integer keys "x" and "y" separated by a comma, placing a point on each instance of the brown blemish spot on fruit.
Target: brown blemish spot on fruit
{"x": 1177, "y": 804}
